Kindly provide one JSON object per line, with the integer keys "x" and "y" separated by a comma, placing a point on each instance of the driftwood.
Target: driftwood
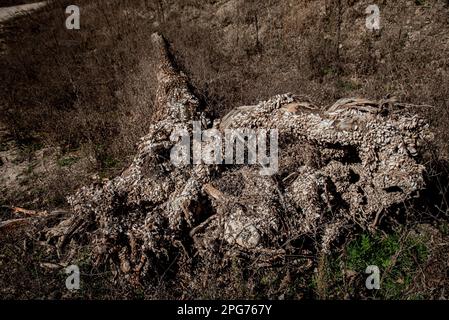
{"x": 13, "y": 223}
{"x": 339, "y": 167}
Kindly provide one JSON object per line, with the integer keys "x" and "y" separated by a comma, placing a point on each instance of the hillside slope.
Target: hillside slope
{"x": 74, "y": 103}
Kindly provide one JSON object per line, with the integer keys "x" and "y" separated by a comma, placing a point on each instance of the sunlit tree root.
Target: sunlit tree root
{"x": 339, "y": 168}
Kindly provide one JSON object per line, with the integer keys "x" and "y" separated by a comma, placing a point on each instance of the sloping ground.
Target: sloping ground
{"x": 361, "y": 164}
{"x": 11, "y": 12}
{"x": 7, "y": 13}
{"x": 299, "y": 47}
{"x": 91, "y": 89}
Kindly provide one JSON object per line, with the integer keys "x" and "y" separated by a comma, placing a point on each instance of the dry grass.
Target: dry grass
{"x": 92, "y": 90}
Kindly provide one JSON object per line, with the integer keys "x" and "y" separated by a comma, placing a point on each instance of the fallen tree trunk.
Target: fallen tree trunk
{"x": 339, "y": 168}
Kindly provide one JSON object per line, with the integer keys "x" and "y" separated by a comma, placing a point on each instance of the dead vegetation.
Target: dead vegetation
{"x": 94, "y": 99}
{"x": 156, "y": 213}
